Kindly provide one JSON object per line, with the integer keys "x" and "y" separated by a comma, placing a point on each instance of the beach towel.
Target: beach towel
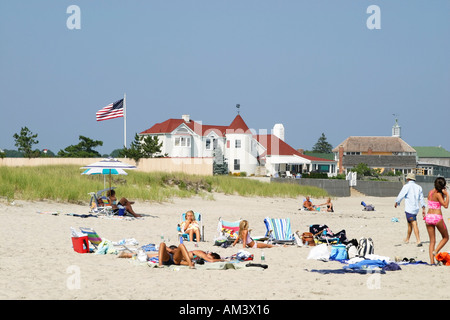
{"x": 345, "y": 271}
{"x": 226, "y": 265}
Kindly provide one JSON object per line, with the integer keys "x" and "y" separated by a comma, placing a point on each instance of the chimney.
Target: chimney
{"x": 341, "y": 158}
{"x": 186, "y": 117}
{"x": 301, "y": 151}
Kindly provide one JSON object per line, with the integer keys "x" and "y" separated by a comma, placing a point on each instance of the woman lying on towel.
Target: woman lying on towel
{"x": 167, "y": 255}
{"x": 247, "y": 241}
{"x": 198, "y": 255}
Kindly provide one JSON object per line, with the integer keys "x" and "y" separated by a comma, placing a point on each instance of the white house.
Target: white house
{"x": 243, "y": 149}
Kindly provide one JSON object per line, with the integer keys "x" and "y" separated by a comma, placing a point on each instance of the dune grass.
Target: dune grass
{"x": 65, "y": 183}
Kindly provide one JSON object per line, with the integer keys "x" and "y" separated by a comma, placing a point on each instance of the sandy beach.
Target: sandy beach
{"x": 38, "y": 262}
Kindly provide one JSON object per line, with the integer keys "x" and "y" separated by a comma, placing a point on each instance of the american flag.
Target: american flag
{"x": 111, "y": 111}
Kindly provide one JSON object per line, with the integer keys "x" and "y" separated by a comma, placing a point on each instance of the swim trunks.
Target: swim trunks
{"x": 410, "y": 217}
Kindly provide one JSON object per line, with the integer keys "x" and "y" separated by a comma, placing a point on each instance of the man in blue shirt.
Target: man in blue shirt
{"x": 413, "y": 195}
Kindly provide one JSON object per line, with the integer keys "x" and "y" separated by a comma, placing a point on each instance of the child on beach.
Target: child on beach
{"x": 437, "y": 198}
{"x": 247, "y": 241}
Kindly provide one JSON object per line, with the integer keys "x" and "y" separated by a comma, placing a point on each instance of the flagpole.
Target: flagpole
{"x": 124, "y": 120}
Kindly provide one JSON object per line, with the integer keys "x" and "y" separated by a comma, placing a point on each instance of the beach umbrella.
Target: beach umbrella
{"x": 109, "y": 167}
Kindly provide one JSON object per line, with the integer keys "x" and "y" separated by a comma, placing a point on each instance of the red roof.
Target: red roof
{"x": 238, "y": 124}
{"x": 276, "y": 146}
{"x": 168, "y": 126}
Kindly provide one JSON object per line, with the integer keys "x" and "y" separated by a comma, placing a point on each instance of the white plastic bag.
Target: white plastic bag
{"x": 142, "y": 256}
{"x": 319, "y": 252}
{"x": 75, "y": 233}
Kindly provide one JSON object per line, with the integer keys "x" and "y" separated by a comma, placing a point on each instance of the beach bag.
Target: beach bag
{"x": 319, "y": 252}
{"x": 352, "y": 251}
{"x": 308, "y": 237}
{"x": 365, "y": 247}
{"x": 339, "y": 252}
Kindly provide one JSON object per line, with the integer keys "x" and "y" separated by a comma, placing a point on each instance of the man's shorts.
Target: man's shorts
{"x": 410, "y": 217}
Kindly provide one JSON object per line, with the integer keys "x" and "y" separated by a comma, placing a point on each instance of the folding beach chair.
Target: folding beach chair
{"x": 279, "y": 231}
{"x": 99, "y": 202}
{"x": 198, "y": 218}
{"x": 227, "y": 231}
{"x": 93, "y": 237}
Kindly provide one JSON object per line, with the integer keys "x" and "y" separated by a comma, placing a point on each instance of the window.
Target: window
{"x": 182, "y": 141}
{"x": 237, "y": 164}
{"x": 237, "y": 143}
{"x": 208, "y": 144}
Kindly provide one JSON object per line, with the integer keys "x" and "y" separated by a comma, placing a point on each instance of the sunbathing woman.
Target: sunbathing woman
{"x": 111, "y": 194}
{"x": 190, "y": 226}
{"x": 167, "y": 255}
{"x": 196, "y": 255}
{"x": 437, "y": 198}
{"x": 247, "y": 241}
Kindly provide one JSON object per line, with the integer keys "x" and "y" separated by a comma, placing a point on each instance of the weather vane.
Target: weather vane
{"x": 237, "y": 107}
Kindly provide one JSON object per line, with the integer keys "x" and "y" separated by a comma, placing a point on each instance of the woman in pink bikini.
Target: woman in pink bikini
{"x": 437, "y": 198}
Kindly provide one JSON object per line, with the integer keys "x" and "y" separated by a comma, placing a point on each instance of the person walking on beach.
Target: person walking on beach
{"x": 413, "y": 195}
{"x": 437, "y": 198}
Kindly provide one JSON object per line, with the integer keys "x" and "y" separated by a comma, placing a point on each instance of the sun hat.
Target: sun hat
{"x": 411, "y": 176}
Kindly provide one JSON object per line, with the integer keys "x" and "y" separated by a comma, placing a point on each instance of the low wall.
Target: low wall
{"x": 199, "y": 166}
{"x": 378, "y": 188}
{"x": 341, "y": 188}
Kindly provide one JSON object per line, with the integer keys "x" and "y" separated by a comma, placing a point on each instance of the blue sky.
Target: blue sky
{"x": 313, "y": 66}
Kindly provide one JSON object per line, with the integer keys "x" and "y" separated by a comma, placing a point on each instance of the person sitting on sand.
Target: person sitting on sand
{"x": 111, "y": 194}
{"x": 247, "y": 241}
{"x": 307, "y": 204}
{"x": 329, "y": 205}
{"x": 190, "y": 226}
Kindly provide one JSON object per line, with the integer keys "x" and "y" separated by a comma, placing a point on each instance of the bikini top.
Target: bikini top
{"x": 434, "y": 204}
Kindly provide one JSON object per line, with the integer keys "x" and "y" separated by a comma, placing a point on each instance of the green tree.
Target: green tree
{"x": 363, "y": 169}
{"x": 25, "y": 141}
{"x": 84, "y": 149}
{"x": 322, "y": 145}
{"x": 142, "y": 147}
